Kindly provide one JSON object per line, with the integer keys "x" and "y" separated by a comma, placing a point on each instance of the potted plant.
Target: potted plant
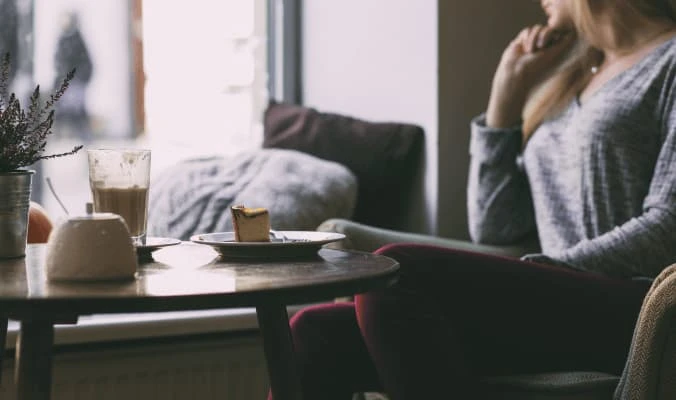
{"x": 23, "y": 138}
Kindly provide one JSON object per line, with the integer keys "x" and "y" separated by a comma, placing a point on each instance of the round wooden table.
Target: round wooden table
{"x": 184, "y": 277}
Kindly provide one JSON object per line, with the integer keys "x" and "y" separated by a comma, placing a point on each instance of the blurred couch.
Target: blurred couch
{"x": 312, "y": 166}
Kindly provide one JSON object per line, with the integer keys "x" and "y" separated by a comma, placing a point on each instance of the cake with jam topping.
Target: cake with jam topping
{"x": 251, "y": 224}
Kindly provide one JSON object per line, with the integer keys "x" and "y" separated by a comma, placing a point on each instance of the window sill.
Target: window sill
{"x": 120, "y": 327}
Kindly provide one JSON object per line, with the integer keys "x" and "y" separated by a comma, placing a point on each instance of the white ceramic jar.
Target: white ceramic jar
{"x": 91, "y": 247}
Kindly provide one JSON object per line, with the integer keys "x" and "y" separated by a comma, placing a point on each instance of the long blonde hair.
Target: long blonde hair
{"x": 574, "y": 73}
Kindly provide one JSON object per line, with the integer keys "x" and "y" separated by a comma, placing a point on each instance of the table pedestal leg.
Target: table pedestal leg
{"x": 33, "y": 373}
{"x": 3, "y": 340}
{"x": 273, "y": 321}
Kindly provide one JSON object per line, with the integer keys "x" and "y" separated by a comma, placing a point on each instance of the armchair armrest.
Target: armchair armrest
{"x": 650, "y": 371}
{"x": 368, "y": 238}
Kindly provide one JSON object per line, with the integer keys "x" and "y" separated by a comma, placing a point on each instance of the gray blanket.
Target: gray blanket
{"x": 299, "y": 190}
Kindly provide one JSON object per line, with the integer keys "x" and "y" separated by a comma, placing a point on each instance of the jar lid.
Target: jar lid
{"x": 91, "y": 215}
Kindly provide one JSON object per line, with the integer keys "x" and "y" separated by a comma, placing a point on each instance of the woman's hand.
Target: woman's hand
{"x": 526, "y": 61}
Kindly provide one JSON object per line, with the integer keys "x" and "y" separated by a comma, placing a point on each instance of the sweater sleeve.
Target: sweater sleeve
{"x": 646, "y": 244}
{"x": 499, "y": 204}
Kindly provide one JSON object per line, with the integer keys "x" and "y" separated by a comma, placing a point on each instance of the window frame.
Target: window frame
{"x": 285, "y": 50}
{"x": 282, "y": 20}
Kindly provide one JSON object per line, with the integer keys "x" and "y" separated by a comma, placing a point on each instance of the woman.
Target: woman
{"x": 578, "y": 141}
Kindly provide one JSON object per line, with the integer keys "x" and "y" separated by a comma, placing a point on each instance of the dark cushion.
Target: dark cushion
{"x": 384, "y": 156}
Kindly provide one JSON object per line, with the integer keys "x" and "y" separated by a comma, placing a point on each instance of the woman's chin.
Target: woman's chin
{"x": 560, "y": 25}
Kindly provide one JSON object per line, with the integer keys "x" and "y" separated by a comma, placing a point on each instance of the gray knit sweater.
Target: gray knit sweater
{"x": 598, "y": 182}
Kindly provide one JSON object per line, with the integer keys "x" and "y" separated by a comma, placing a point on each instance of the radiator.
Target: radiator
{"x": 215, "y": 368}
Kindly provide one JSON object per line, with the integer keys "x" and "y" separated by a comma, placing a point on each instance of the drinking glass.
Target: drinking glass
{"x": 119, "y": 180}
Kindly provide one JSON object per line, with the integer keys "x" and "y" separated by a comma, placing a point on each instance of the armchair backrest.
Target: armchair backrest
{"x": 650, "y": 371}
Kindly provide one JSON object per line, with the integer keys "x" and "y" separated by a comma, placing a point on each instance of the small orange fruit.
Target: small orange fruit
{"x": 39, "y": 224}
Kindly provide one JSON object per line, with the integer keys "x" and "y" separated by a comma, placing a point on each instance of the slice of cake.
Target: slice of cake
{"x": 251, "y": 224}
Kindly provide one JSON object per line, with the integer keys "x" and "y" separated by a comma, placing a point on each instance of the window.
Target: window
{"x": 183, "y": 78}
{"x": 206, "y": 74}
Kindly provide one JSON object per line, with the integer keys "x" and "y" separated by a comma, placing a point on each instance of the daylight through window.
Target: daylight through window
{"x": 185, "y": 79}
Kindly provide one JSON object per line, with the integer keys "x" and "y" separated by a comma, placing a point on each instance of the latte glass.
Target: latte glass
{"x": 120, "y": 180}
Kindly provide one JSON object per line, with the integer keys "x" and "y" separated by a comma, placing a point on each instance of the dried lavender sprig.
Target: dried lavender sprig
{"x": 23, "y": 135}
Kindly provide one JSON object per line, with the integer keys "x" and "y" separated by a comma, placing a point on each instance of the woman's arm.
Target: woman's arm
{"x": 642, "y": 246}
{"x": 499, "y": 203}
{"x": 500, "y": 209}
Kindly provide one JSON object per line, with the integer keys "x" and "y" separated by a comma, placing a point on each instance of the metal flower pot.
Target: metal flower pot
{"x": 15, "y": 193}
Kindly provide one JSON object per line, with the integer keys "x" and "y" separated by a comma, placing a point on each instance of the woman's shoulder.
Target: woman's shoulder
{"x": 664, "y": 66}
{"x": 664, "y": 55}
{"x": 657, "y": 71}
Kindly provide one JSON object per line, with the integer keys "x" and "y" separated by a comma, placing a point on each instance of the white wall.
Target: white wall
{"x": 377, "y": 60}
{"x": 428, "y": 62}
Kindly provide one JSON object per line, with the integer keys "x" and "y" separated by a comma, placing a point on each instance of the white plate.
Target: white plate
{"x": 286, "y": 244}
{"x": 155, "y": 243}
